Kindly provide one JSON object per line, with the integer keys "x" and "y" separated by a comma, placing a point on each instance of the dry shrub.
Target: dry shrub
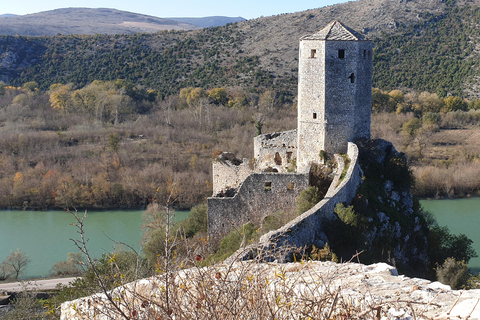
{"x": 454, "y": 273}
{"x": 239, "y": 290}
{"x": 456, "y": 179}
{"x": 388, "y": 126}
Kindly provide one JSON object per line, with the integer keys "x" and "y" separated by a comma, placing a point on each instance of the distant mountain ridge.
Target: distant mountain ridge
{"x": 207, "y": 22}
{"x": 99, "y": 21}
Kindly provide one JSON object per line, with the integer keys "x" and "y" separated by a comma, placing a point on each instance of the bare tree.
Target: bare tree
{"x": 16, "y": 262}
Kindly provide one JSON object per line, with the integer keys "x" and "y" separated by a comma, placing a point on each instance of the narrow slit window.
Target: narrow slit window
{"x": 289, "y": 156}
{"x": 268, "y": 186}
{"x": 352, "y": 78}
{"x": 364, "y": 54}
{"x": 341, "y": 54}
{"x": 290, "y": 186}
{"x": 314, "y": 115}
{"x": 313, "y": 53}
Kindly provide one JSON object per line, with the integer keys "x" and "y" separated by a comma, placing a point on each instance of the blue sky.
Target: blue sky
{"x": 173, "y": 8}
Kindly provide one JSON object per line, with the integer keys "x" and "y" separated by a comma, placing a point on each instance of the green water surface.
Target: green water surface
{"x": 45, "y": 236}
{"x": 460, "y": 216}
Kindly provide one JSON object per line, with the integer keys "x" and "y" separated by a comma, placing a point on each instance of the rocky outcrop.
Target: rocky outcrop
{"x": 385, "y": 224}
{"x": 249, "y": 290}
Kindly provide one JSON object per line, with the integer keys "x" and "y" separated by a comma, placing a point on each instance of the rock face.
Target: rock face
{"x": 249, "y": 290}
{"x": 390, "y": 225}
{"x": 384, "y": 222}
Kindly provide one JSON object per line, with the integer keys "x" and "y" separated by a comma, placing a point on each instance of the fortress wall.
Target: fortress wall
{"x": 227, "y": 175}
{"x": 275, "y": 150}
{"x": 260, "y": 195}
{"x": 307, "y": 228}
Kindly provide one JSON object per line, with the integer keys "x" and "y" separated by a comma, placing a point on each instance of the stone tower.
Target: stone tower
{"x": 334, "y": 92}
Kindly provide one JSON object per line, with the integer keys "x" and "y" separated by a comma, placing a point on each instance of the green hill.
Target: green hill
{"x": 419, "y": 45}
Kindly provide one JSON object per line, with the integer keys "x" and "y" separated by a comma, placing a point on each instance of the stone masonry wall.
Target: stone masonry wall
{"x": 275, "y": 150}
{"x": 307, "y": 228}
{"x": 334, "y": 96}
{"x": 260, "y": 195}
{"x": 347, "y": 90}
{"x": 311, "y": 102}
{"x": 228, "y": 175}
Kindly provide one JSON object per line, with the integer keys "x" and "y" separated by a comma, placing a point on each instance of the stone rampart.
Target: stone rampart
{"x": 260, "y": 195}
{"x": 307, "y": 228}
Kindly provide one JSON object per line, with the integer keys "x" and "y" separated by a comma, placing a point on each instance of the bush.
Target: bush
{"x": 70, "y": 267}
{"x": 234, "y": 240}
{"x": 453, "y": 273}
{"x": 196, "y": 221}
{"x": 307, "y": 199}
{"x": 444, "y": 245}
{"x": 347, "y": 215}
{"x": 324, "y": 254}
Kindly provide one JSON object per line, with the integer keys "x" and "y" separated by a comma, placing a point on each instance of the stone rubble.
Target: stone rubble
{"x": 372, "y": 288}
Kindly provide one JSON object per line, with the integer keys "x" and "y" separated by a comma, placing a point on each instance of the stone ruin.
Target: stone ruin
{"x": 334, "y": 109}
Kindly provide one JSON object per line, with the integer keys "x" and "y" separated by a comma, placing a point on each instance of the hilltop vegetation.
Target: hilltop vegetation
{"x": 424, "y": 47}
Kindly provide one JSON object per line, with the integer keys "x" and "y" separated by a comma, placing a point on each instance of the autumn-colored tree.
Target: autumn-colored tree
{"x": 218, "y": 96}
{"x": 105, "y": 100}
{"x": 380, "y": 101}
{"x": 60, "y": 97}
{"x": 429, "y": 102}
{"x": 453, "y": 103}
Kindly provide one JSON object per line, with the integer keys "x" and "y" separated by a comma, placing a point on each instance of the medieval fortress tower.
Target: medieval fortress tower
{"x": 334, "y": 108}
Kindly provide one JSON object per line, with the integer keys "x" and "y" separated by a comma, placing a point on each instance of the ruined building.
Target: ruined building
{"x": 334, "y": 108}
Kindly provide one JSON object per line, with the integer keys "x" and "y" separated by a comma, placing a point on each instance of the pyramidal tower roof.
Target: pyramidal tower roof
{"x": 335, "y": 30}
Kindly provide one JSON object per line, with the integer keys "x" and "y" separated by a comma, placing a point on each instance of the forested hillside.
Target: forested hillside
{"x": 419, "y": 45}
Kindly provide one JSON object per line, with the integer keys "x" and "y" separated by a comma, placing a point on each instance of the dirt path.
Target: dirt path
{"x": 47, "y": 284}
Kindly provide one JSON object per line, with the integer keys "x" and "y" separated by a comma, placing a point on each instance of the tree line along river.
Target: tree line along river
{"x": 45, "y": 236}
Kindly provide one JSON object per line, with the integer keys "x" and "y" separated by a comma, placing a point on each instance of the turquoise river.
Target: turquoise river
{"x": 45, "y": 236}
{"x": 461, "y": 216}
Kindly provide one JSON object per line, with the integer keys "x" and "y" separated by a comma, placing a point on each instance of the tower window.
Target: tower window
{"x": 352, "y": 78}
{"x": 314, "y": 115}
{"x": 290, "y": 186}
{"x": 364, "y": 54}
{"x": 313, "y": 53}
{"x": 278, "y": 159}
{"x": 268, "y": 186}
{"x": 289, "y": 156}
{"x": 341, "y": 54}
